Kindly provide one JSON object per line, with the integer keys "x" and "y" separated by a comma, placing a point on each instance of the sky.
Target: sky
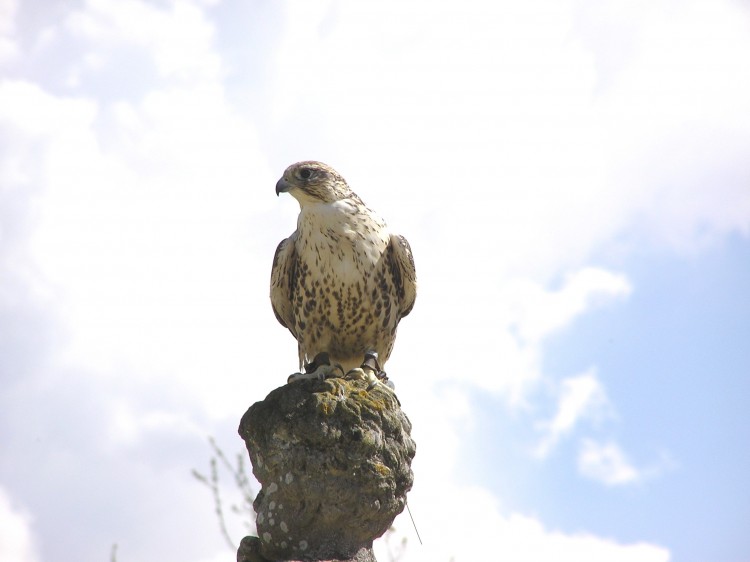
{"x": 573, "y": 177}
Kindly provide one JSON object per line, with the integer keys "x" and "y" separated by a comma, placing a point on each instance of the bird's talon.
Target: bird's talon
{"x": 356, "y": 374}
{"x": 328, "y": 371}
{"x": 364, "y": 373}
{"x": 319, "y": 368}
{"x": 300, "y": 377}
{"x": 371, "y": 361}
{"x": 318, "y": 361}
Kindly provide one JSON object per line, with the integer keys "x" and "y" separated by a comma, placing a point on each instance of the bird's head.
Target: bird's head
{"x": 313, "y": 182}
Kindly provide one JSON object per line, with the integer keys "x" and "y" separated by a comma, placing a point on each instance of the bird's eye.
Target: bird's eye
{"x": 305, "y": 173}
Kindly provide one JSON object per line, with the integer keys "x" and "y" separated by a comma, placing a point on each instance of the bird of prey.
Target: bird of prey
{"x": 342, "y": 281}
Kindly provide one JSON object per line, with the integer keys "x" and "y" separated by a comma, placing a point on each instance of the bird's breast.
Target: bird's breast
{"x": 346, "y": 243}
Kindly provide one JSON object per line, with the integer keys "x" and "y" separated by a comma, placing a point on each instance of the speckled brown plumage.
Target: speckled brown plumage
{"x": 341, "y": 282}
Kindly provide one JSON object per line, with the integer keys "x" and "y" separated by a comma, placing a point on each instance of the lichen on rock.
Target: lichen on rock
{"x": 334, "y": 463}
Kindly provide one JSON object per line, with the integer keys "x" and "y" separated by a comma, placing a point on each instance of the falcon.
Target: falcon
{"x": 342, "y": 281}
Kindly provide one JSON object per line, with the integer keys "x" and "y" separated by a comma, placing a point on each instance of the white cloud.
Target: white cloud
{"x": 681, "y": 115}
{"x": 581, "y": 397}
{"x": 8, "y": 47}
{"x": 479, "y": 530}
{"x": 143, "y": 234}
{"x": 606, "y": 463}
{"x": 508, "y": 326}
{"x": 506, "y": 127}
{"x": 526, "y": 132}
{"x": 16, "y": 537}
{"x": 536, "y": 313}
{"x": 178, "y": 38}
{"x": 129, "y": 428}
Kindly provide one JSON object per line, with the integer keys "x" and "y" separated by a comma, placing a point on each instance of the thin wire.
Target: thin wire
{"x": 413, "y": 523}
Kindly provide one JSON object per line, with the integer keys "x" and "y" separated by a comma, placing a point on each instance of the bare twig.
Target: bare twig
{"x": 413, "y": 523}
{"x": 242, "y": 481}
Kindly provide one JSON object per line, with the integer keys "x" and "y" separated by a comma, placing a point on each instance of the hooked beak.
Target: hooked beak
{"x": 282, "y": 186}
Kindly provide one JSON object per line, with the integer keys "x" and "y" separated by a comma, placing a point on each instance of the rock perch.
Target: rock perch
{"x": 334, "y": 463}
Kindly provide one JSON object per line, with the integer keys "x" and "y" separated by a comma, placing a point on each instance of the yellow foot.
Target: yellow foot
{"x": 363, "y": 374}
